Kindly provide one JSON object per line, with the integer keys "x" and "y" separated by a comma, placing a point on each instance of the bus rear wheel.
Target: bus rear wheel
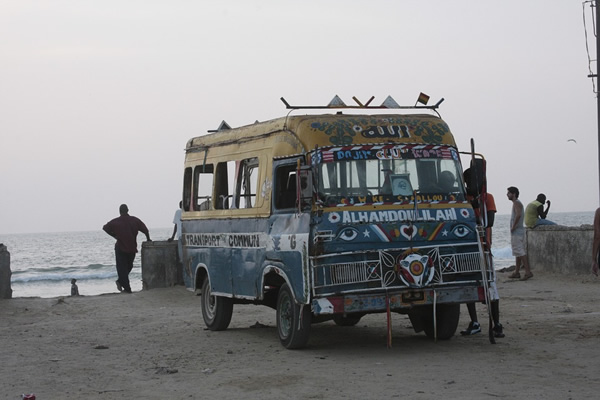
{"x": 293, "y": 320}
{"x": 216, "y": 310}
{"x": 447, "y": 316}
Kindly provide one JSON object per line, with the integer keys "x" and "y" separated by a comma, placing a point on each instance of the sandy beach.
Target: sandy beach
{"x": 153, "y": 345}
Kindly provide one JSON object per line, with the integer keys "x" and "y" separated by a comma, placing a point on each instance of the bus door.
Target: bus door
{"x": 288, "y": 229}
{"x": 246, "y": 238}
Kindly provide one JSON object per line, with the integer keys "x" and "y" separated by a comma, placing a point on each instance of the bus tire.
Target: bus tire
{"x": 447, "y": 316}
{"x": 348, "y": 319}
{"x": 216, "y": 310}
{"x": 293, "y": 320}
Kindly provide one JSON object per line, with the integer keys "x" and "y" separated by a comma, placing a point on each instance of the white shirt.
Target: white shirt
{"x": 177, "y": 221}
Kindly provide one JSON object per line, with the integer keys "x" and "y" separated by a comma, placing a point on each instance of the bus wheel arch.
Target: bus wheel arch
{"x": 273, "y": 279}
{"x": 272, "y": 282}
{"x": 200, "y": 275}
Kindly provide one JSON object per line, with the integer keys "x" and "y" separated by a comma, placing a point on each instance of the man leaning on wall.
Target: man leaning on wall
{"x": 535, "y": 215}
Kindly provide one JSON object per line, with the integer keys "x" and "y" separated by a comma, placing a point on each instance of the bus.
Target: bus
{"x": 332, "y": 216}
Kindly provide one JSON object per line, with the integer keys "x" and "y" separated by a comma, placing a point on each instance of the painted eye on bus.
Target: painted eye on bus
{"x": 348, "y": 234}
{"x": 461, "y": 231}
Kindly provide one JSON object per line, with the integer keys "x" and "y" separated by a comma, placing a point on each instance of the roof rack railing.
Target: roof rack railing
{"x": 224, "y": 126}
{"x": 388, "y": 103}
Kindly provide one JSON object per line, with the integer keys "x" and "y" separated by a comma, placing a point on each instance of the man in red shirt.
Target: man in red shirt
{"x": 125, "y": 229}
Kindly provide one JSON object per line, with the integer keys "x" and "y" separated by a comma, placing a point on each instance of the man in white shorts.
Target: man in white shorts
{"x": 517, "y": 235}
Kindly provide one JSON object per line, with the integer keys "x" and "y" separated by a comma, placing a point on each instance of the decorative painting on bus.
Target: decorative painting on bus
{"x": 343, "y": 131}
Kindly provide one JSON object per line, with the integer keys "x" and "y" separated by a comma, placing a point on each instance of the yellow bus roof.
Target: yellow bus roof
{"x": 299, "y": 134}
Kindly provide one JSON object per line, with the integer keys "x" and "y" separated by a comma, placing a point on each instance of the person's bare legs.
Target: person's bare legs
{"x": 526, "y": 264}
{"x": 515, "y": 274}
{"x": 528, "y": 273}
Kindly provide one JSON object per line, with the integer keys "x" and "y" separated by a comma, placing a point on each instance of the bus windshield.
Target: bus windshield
{"x": 389, "y": 174}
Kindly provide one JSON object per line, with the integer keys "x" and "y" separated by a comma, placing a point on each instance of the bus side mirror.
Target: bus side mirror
{"x": 305, "y": 187}
{"x": 477, "y": 179}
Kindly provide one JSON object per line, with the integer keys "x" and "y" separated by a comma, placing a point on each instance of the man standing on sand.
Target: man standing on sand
{"x": 596, "y": 243}
{"x": 517, "y": 235}
{"x": 535, "y": 214}
{"x": 474, "y": 326}
{"x": 125, "y": 229}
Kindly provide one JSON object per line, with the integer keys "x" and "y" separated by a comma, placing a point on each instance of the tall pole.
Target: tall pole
{"x": 598, "y": 83}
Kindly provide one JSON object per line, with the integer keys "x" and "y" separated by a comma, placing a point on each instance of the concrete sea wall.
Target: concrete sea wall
{"x": 160, "y": 265}
{"x": 560, "y": 249}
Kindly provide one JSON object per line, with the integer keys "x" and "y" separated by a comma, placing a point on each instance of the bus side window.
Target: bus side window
{"x": 224, "y": 174}
{"x": 248, "y": 180}
{"x": 187, "y": 189}
{"x": 285, "y": 187}
{"x": 203, "y": 186}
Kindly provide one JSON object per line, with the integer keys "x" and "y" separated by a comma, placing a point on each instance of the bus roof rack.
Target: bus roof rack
{"x": 222, "y": 127}
{"x": 388, "y": 103}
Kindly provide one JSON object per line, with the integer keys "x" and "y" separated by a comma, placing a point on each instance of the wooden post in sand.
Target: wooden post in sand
{"x": 5, "y": 273}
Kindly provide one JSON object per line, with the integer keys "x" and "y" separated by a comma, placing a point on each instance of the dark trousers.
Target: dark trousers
{"x": 124, "y": 267}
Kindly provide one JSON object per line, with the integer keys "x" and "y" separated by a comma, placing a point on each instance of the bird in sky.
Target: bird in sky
{"x": 572, "y": 140}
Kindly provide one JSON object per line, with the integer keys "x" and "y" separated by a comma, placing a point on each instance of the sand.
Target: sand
{"x": 153, "y": 345}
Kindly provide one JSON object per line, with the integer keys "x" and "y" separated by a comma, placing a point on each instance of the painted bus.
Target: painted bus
{"x": 332, "y": 216}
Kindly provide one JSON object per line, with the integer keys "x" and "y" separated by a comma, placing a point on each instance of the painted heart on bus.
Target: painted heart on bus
{"x": 408, "y": 231}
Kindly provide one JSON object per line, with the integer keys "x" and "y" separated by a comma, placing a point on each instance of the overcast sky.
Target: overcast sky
{"x": 98, "y": 98}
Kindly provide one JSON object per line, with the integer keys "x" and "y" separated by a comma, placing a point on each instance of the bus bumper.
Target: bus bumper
{"x": 398, "y": 301}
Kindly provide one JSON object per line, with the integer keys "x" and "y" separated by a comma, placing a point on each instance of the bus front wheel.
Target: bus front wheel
{"x": 293, "y": 320}
{"x": 216, "y": 310}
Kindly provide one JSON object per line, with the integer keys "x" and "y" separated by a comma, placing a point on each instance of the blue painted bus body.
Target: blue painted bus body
{"x": 377, "y": 231}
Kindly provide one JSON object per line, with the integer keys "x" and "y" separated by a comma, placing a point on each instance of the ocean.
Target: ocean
{"x": 43, "y": 264}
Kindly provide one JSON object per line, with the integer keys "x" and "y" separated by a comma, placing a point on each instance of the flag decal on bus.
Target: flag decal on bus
{"x": 423, "y": 98}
